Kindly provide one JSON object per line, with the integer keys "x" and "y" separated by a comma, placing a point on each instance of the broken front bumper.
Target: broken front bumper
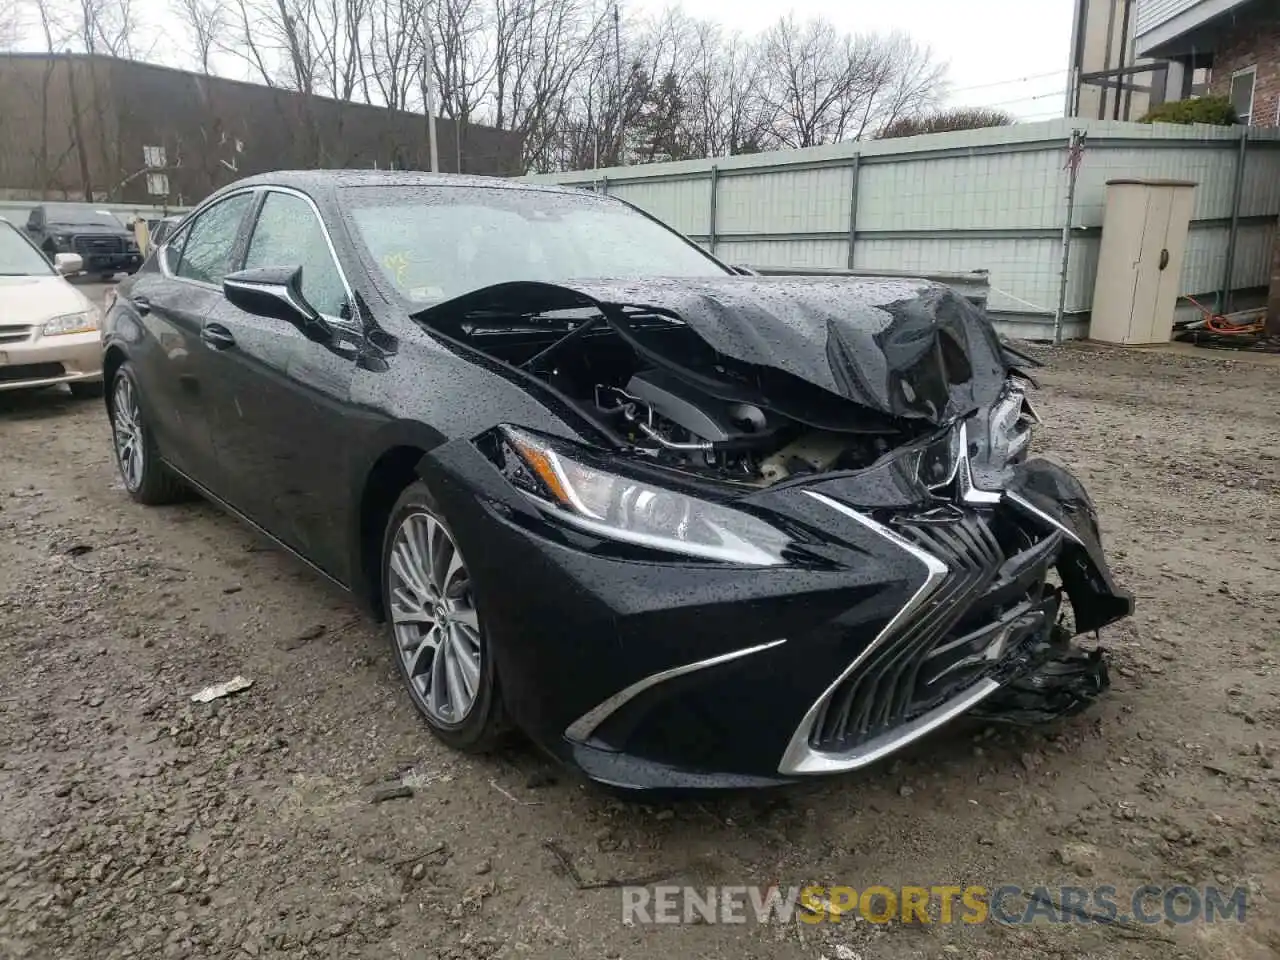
{"x": 898, "y": 613}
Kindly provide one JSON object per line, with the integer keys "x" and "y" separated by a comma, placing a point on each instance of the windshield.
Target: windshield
{"x": 18, "y": 258}
{"x": 435, "y": 243}
{"x": 73, "y": 215}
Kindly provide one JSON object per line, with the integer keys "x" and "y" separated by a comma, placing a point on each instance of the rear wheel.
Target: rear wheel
{"x": 146, "y": 478}
{"x": 437, "y": 633}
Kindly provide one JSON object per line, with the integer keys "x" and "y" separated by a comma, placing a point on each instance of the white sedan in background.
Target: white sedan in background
{"x": 48, "y": 328}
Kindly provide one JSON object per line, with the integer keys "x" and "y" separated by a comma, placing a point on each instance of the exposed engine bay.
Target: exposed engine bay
{"x": 737, "y": 441}
{"x": 727, "y": 399}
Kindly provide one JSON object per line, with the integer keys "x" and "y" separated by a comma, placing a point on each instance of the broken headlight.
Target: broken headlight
{"x": 1011, "y": 420}
{"x": 634, "y": 511}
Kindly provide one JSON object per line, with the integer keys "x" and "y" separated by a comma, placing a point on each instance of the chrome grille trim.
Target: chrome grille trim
{"x": 882, "y": 697}
{"x": 16, "y": 334}
{"x": 799, "y": 756}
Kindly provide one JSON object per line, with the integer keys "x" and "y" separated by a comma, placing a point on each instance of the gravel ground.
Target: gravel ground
{"x": 138, "y": 824}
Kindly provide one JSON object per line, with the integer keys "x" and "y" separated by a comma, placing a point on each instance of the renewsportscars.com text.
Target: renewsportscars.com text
{"x": 943, "y": 904}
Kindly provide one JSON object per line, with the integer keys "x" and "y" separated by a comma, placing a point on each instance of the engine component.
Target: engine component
{"x": 704, "y": 417}
{"x": 815, "y": 451}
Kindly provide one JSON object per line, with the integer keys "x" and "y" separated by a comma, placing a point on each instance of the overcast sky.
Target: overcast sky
{"x": 1009, "y": 54}
{"x": 988, "y": 43}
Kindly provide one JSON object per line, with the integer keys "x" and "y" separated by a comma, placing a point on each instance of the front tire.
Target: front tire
{"x": 146, "y": 478}
{"x": 436, "y": 631}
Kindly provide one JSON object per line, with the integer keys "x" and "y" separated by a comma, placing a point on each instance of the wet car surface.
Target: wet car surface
{"x": 627, "y": 513}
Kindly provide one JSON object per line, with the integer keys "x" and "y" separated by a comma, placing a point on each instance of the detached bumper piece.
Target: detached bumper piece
{"x": 1068, "y": 681}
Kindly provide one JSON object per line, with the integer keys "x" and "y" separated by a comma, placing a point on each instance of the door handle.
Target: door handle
{"x": 141, "y": 304}
{"x": 216, "y": 336}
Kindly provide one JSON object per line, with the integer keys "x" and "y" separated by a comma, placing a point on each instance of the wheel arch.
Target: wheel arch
{"x": 395, "y": 468}
{"x": 112, "y": 360}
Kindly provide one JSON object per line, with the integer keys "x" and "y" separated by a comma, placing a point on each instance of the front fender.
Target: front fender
{"x": 1055, "y": 497}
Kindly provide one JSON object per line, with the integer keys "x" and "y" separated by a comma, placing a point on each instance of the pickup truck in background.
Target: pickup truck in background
{"x": 104, "y": 244}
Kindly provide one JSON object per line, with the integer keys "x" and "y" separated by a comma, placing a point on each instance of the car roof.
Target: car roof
{"x": 326, "y": 182}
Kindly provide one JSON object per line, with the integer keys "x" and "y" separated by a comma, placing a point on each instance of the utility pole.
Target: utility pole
{"x": 428, "y": 88}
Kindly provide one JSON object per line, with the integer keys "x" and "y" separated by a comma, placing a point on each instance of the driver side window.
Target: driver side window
{"x": 288, "y": 234}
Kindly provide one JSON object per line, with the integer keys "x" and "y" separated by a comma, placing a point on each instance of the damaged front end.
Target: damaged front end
{"x": 861, "y": 447}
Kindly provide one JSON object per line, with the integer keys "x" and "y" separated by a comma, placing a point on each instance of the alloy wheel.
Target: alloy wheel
{"x": 126, "y": 425}
{"x": 433, "y": 614}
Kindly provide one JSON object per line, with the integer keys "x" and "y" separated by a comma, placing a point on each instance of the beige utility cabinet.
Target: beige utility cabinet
{"x": 1144, "y": 237}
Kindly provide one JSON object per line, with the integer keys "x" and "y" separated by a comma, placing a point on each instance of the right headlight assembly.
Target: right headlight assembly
{"x": 633, "y": 511}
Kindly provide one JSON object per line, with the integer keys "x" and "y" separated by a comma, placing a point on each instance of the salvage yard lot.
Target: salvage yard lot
{"x": 138, "y": 824}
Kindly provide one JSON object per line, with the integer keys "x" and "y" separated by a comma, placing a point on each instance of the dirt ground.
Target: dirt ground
{"x": 138, "y": 824}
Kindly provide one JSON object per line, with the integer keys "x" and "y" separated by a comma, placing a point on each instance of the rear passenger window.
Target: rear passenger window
{"x": 211, "y": 240}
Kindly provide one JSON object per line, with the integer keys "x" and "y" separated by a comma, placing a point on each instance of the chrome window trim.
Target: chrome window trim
{"x": 328, "y": 239}
{"x": 189, "y": 219}
{"x": 582, "y": 728}
{"x": 349, "y": 324}
{"x": 800, "y": 757}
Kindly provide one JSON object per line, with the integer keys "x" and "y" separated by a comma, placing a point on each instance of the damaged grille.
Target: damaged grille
{"x": 991, "y": 600}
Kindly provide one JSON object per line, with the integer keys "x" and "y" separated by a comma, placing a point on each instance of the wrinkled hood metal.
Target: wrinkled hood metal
{"x": 907, "y": 348}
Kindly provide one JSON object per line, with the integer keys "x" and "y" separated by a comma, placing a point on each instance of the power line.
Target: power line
{"x": 1039, "y": 96}
{"x": 1001, "y": 83}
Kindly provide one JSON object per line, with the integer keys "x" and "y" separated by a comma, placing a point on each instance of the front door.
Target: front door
{"x": 280, "y": 424}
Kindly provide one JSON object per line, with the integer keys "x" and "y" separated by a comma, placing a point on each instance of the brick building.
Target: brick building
{"x": 1238, "y": 42}
{"x": 81, "y": 126}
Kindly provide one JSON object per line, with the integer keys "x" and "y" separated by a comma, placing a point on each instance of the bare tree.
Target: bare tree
{"x": 824, "y": 86}
{"x": 725, "y": 113}
{"x": 913, "y": 85}
{"x": 395, "y": 41}
{"x": 11, "y": 23}
{"x": 463, "y": 59}
{"x": 539, "y": 48}
{"x": 205, "y": 22}
{"x": 109, "y": 27}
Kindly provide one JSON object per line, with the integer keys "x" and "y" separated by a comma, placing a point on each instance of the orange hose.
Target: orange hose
{"x": 1217, "y": 323}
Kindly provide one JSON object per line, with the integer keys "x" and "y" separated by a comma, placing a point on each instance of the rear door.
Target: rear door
{"x": 281, "y": 425}
{"x": 170, "y": 300}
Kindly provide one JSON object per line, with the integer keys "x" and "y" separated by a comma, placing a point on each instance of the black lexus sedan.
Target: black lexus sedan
{"x": 681, "y": 524}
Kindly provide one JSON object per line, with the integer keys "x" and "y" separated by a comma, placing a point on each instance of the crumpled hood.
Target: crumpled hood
{"x": 908, "y": 348}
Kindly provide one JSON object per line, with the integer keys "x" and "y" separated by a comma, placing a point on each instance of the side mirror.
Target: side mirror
{"x": 276, "y": 292}
{"x": 68, "y": 263}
